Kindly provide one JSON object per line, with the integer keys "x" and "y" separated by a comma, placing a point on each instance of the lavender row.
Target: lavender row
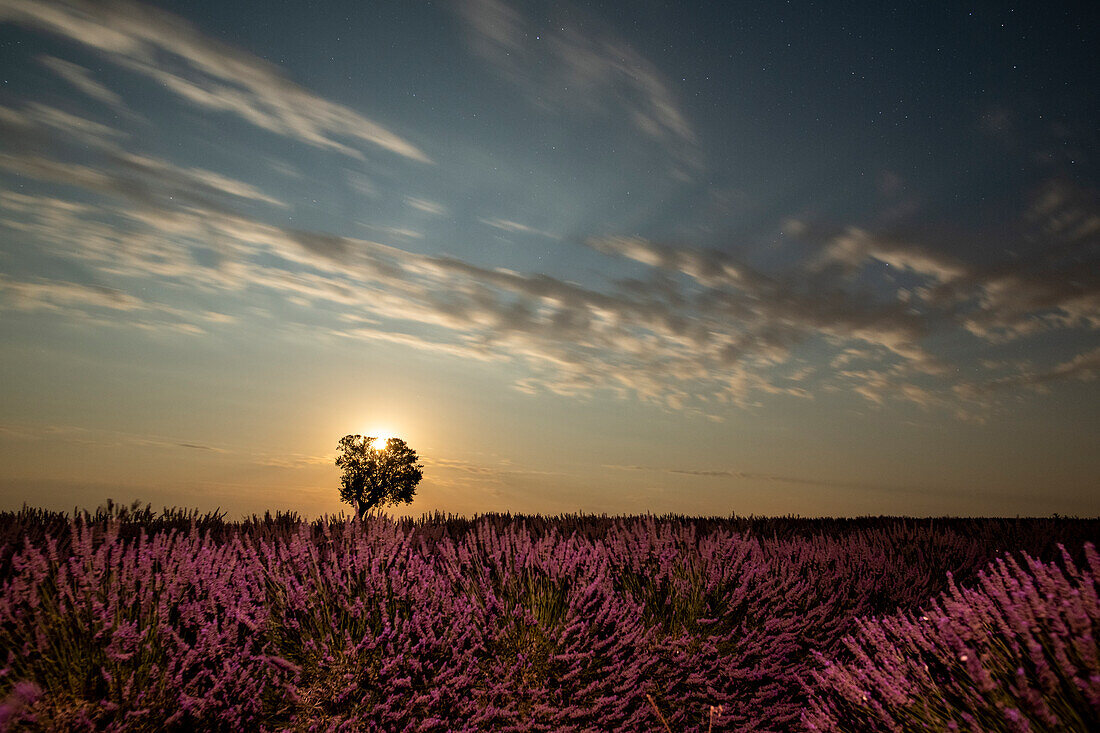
{"x": 498, "y": 623}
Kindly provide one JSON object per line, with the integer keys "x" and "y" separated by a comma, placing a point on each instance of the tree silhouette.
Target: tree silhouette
{"x": 377, "y": 476}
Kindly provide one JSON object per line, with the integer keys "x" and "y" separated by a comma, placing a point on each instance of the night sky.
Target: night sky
{"x": 691, "y": 257}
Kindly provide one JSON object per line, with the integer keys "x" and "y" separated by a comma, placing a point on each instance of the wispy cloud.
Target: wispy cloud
{"x": 82, "y": 79}
{"x": 24, "y": 127}
{"x": 855, "y": 248}
{"x": 452, "y": 464}
{"x": 100, "y": 437}
{"x": 493, "y": 479}
{"x": 507, "y": 225}
{"x": 573, "y": 68}
{"x": 116, "y": 171}
{"x": 1084, "y": 367}
{"x": 102, "y": 305}
{"x": 426, "y": 206}
{"x": 699, "y": 330}
{"x": 417, "y": 342}
{"x": 203, "y": 71}
{"x": 53, "y": 295}
{"x": 403, "y": 232}
{"x": 292, "y": 461}
{"x": 740, "y": 475}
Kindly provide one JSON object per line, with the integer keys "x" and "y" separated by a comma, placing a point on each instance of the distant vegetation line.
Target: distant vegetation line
{"x": 1038, "y": 536}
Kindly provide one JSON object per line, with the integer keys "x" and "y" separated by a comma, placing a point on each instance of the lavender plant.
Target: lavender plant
{"x": 126, "y": 619}
{"x": 1017, "y": 653}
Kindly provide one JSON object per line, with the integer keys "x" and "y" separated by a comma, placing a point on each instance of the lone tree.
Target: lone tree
{"x": 376, "y": 476}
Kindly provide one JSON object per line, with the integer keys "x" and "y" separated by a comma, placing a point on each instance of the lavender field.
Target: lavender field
{"x": 134, "y": 620}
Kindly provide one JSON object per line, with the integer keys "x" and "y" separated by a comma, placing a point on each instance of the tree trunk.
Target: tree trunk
{"x": 363, "y": 509}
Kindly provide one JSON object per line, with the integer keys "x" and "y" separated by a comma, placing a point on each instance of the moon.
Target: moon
{"x": 380, "y": 441}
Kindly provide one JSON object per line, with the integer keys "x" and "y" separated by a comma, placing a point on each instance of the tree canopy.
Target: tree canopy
{"x": 376, "y": 476}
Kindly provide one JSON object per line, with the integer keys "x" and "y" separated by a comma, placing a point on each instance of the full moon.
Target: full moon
{"x": 380, "y": 442}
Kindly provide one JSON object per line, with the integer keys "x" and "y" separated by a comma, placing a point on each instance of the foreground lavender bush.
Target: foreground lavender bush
{"x": 126, "y": 620}
{"x": 167, "y": 631}
{"x": 1018, "y": 653}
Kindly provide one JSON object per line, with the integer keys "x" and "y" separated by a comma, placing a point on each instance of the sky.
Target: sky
{"x": 607, "y": 257}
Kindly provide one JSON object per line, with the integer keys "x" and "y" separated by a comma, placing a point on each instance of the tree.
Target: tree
{"x": 377, "y": 476}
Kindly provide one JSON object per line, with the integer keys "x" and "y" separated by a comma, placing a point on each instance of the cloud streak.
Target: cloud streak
{"x": 514, "y": 227}
{"x": 100, "y": 438}
{"x": 82, "y": 80}
{"x": 218, "y": 77}
{"x": 743, "y": 476}
{"x": 568, "y": 67}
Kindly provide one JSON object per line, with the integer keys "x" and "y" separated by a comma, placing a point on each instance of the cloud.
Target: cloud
{"x": 29, "y": 128}
{"x": 150, "y": 41}
{"x": 461, "y": 466}
{"x": 198, "y": 178}
{"x": 426, "y": 206}
{"x": 326, "y": 245}
{"x": 44, "y": 131}
{"x": 775, "y": 312}
{"x": 1014, "y": 304}
{"x": 854, "y": 248}
{"x": 571, "y": 68}
{"x": 144, "y": 179}
{"x": 709, "y": 268}
{"x": 54, "y": 295}
{"x": 507, "y": 225}
{"x": 742, "y": 475}
{"x": 292, "y": 461}
{"x": 81, "y": 79}
{"x": 685, "y": 346}
{"x": 100, "y": 305}
{"x": 471, "y": 353}
{"x": 99, "y": 437}
{"x": 152, "y": 185}
{"x": 500, "y": 482}
{"x": 199, "y": 447}
{"x": 1083, "y": 367}
{"x": 1053, "y": 285}
{"x": 698, "y": 331}
{"x": 403, "y": 232}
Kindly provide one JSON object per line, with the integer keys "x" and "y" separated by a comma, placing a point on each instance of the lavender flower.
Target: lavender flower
{"x": 127, "y": 620}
